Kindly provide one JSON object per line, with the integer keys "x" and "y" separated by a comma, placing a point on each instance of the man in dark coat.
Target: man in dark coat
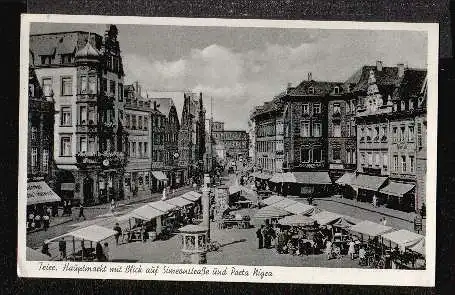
{"x": 260, "y": 237}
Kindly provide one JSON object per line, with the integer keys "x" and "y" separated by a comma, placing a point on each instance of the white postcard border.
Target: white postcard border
{"x": 280, "y": 274}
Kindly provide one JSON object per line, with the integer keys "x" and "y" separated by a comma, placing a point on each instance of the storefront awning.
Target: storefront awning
{"x": 93, "y": 233}
{"x": 143, "y": 213}
{"x": 402, "y": 238}
{"x": 369, "y": 182}
{"x": 326, "y": 217}
{"x": 299, "y": 208}
{"x": 162, "y": 206}
{"x": 397, "y": 189}
{"x": 39, "y": 192}
{"x": 316, "y": 177}
{"x": 179, "y": 202}
{"x": 287, "y": 177}
{"x": 346, "y": 179}
{"x": 272, "y": 200}
{"x": 370, "y": 228}
{"x": 159, "y": 175}
{"x": 269, "y": 212}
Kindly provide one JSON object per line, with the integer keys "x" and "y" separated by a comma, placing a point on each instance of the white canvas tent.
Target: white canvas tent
{"x": 299, "y": 208}
{"x": 326, "y": 217}
{"x": 401, "y": 238}
{"x": 272, "y": 200}
{"x": 370, "y": 229}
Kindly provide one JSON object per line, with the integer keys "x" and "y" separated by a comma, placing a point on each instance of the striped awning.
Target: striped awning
{"x": 39, "y": 192}
{"x": 397, "y": 189}
{"x": 159, "y": 175}
{"x": 269, "y": 212}
{"x": 369, "y": 182}
{"x": 346, "y": 179}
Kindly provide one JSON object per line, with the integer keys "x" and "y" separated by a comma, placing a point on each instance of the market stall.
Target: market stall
{"x": 400, "y": 243}
{"x": 270, "y": 213}
{"x": 272, "y": 200}
{"x": 401, "y": 238}
{"x": 93, "y": 234}
{"x": 147, "y": 221}
{"x": 300, "y": 208}
{"x": 368, "y": 229}
{"x": 285, "y": 202}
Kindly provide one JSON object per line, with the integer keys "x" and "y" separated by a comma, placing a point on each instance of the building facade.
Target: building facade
{"x": 173, "y": 172}
{"x": 192, "y": 141}
{"x": 84, "y": 72}
{"x": 138, "y": 125}
{"x": 40, "y": 161}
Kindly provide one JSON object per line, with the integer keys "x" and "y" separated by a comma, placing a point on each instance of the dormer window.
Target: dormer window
{"x": 46, "y": 59}
{"x": 66, "y": 58}
{"x": 311, "y": 90}
{"x": 336, "y": 90}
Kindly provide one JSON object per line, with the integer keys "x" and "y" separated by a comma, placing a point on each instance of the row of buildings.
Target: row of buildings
{"x": 368, "y": 132}
{"x": 93, "y": 138}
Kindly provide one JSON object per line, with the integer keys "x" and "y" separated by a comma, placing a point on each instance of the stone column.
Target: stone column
{"x": 205, "y": 200}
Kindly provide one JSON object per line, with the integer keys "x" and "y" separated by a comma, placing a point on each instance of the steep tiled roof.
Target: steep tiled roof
{"x": 411, "y": 84}
{"x": 321, "y": 88}
{"x": 388, "y": 76}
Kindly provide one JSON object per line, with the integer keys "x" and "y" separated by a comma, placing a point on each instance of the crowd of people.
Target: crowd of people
{"x": 39, "y": 216}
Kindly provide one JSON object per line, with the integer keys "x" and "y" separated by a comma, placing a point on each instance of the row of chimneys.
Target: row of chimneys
{"x": 400, "y": 67}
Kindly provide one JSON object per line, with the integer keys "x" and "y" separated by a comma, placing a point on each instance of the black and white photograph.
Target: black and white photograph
{"x": 238, "y": 150}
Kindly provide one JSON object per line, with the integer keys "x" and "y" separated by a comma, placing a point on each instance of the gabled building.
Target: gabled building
{"x": 192, "y": 142}
{"x": 174, "y": 173}
{"x": 84, "y": 72}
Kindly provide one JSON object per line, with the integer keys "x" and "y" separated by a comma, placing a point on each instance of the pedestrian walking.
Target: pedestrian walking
{"x": 375, "y": 201}
{"x": 106, "y": 252}
{"x": 99, "y": 252}
{"x": 362, "y": 255}
{"x": 118, "y": 233}
{"x": 46, "y": 221}
{"x": 164, "y": 195}
{"x": 81, "y": 211}
{"x": 260, "y": 237}
{"x": 45, "y": 249}
{"x": 62, "y": 248}
{"x": 112, "y": 205}
{"x": 328, "y": 249}
{"x": 384, "y": 221}
{"x": 351, "y": 250}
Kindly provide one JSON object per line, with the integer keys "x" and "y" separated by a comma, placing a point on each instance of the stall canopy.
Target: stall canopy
{"x": 159, "y": 175}
{"x": 402, "y": 238}
{"x": 313, "y": 177}
{"x": 162, "y": 206}
{"x": 299, "y": 208}
{"x": 144, "y": 213}
{"x": 35, "y": 255}
{"x": 346, "y": 179}
{"x": 287, "y": 177}
{"x": 179, "y": 202}
{"x": 93, "y": 233}
{"x": 233, "y": 189}
{"x": 39, "y": 192}
{"x": 284, "y": 203}
{"x": 326, "y": 217}
{"x": 419, "y": 247}
{"x": 270, "y": 212}
{"x": 346, "y": 222}
{"x": 296, "y": 220}
{"x": 369, "y": 182}
{"x": 397, "y": 189}
{"x": 272, "y": 200}
{"x": 370, "y": 228}
{"x": 191, "y": 196}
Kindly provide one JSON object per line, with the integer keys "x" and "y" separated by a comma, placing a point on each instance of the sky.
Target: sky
{"x": 239, "y": 68}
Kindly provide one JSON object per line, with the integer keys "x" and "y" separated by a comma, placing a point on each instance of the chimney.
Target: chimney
{"x": 379, "y": 65}
{"x": 310, "y": 76}
{"x": 400, "y": 67}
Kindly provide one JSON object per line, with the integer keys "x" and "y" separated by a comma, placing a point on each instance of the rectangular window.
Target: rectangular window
{"x": 411, "y": 133}
{"x": 336, "y": 109}
{"x": 317, "y": 108}
{"x": 305, "y": 155}
{"x": 395, "y": 134}
{"x": 140, "y": 150}
{"x": 384, "y": 134}
{"x": 362, "y": 159}
{"x": 348, "y": 157}
{"x": 66, "y": 116}
{"x": 34, "y": 158}
{"x": 411, "y": 104}
{"x": 91, "y": 116}
{"x": 385, "y": 160}
{"x": 369, "y": 131}
{"x": 336, "y": 154}
{"x": 65, "y": 146}
{"x": 139, "y": 122}
{"x": 353, "y": 156}
{"x": 305, "y": 109}
{"x": 146, "y": 153}
{"x": 402, "y": 133}
{"x": 84, "y": 84}
{"x": 133, "y": 149}
{"x": 395, "y": 163}
{"x": 133, "y": 122}
{"x": 317, "y": 155}
{"x": 45, "y": 162}
{"x": 362, "y": 134}
{"x": 104, "y": 85}
{"x": 376, "y": 133}
{"x": 112, "y": 87}
{"x": 83, "y": 144}
{"x": 419, "y": 136}
{"x": 403, "y": 164}
{"x": 317, "y": 132}
{"x": 377, "y": 159}
{"x": 82, "y": 115}
{"x": 92, "y": 85}
{"x": 127, "y": 121}
{"x": 34, "y": 132}
{"x": 370, "y": 159}
{"x": 120, "y": 91}
{"x": 305, "y": 129}
{"x": 336, "y": 130}
{"x": 411, "y": 164}
{"x": 67, "y": 86}
{"x": 146, "y": 123}
{"x": 91, "y": 145}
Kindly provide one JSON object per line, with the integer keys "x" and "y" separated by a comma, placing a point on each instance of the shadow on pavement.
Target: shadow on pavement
{"x": 234, "y": 242}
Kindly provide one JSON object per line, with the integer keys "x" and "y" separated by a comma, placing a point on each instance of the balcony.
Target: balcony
{"x": 84, "y": 128}
{"x": 106, "y": 159}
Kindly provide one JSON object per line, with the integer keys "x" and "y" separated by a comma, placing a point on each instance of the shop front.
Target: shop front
{"x": 159, "y": 181}
{"x": 399, "y": 195}
{"x": 367, "y": 187}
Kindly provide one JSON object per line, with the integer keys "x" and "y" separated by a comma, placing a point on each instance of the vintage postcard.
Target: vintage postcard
{"x": 227, "y": 150}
